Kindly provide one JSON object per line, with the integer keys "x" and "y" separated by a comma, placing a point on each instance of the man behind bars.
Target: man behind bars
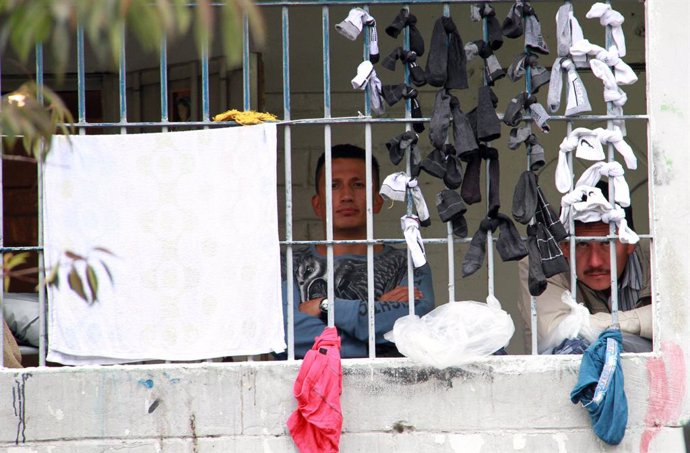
{"x": 593, "y": 269}
{"x": 350, "y": 266}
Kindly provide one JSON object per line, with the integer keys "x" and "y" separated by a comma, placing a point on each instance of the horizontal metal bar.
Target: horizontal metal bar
{"x": 381, "y": 2}
{"x": 28, "y": 248}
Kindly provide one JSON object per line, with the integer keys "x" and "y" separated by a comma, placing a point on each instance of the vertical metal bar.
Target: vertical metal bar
{"x": 42, "y": 337}
{"x": 371, "y": 311}
{"x": 612, "y": 226}
{"x": 408, "y": 126}
{"x": 288, "y": 185}
{"x": 123, "y": 82}
{"x": 2, "y": 244}
{"x": 81, "y": 80}
{"x": 204, "y": 83}
{"x": 328, "y": 169}
{"x": 449, "y": 229}
{"x": 164, "y": 82}
{"x": 489, "y": 234}
{"x": 246, "y": 66}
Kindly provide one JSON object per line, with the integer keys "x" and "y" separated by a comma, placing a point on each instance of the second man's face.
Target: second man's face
{"x": 349, "y": 197}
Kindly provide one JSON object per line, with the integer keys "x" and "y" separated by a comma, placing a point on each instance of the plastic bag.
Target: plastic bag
{"x": 574, "y": 324}
{"x": 453, "y": 334}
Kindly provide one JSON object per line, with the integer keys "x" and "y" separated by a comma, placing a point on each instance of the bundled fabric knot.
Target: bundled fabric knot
{"x": 577, "y": 102}
{"x": 509, "y": 244}
{"x": 484, "y": 10}
{"x": 522, "y": 19}
{"x": 568, "y": 32}
{"x": 513, "y": 114}
{"x": 610, "y": 17}
{"x": 446, "y": 113}
{"x": 588, "y": 204}
{"x": 614, "y": 172}
{"x": 396, "y": 187}
{"x": 245, "y": 118}
{"x": 397, "y": 147}
{"x": 492, "y": 68}
{"x": 539, "y": 76}
{"x": 535, "y": 152}
{"x": 408, "y": 57}
{"x": 623, "y": 72}
{"x": 452, "y": 208}
{"x": 352, "y": 26}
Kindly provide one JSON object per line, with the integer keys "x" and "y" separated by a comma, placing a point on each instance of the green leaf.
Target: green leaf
{"x": 92, "y": 279}
{"x": 76, "y": 284}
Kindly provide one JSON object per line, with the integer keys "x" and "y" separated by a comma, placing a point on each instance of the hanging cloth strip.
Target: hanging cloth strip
{"x": 395, "y": 188}
{"x": 610, "y": 17}
{"x": 568, "y": 32}
{"x": 513, "y": 113}
{"x": 509, "y": 244}
{"x": 578, "y": 102}
{"x": 408, "y": 57}
{"x": 588, "y": 204}
{"x": 535, "y": 151}
{"x": 446, "y": 64}
{"x": 447, "y": 108}
{"x": 413, "y": 238}
{"x": 366, "y": 75}
{"x": 521, "y": 19}
{"x": 402, "y": 20}
{"x": 352, "y": 26}
{"x": 401, "y": 143}
{"x": 612, "y": 92}
{"x": 484, "y": 10}
{"x": 539, "y": 76}
{"x": 623, "y": 73}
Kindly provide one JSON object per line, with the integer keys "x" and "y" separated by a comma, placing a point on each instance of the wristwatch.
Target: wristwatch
{"x": 323, "y": 306}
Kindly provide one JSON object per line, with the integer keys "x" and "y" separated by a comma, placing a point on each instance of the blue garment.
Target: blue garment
{"x": 600, "y": 387}
{"x": 351, "y": 303}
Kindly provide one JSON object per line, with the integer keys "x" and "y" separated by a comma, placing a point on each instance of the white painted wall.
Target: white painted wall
{"x": 500, "y": 404}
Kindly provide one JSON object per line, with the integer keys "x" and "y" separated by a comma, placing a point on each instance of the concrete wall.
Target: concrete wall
{"x": 517, "y": 403}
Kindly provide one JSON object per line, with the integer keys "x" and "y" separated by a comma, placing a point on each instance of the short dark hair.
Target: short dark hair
{"x": 346, "y": 151}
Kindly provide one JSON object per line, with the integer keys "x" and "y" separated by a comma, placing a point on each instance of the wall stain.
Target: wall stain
{"x": 401, "y": 426}
{"x": 154, "y": 405}
{"x": 19, "y": 404}
{"x": 195, "y": 440}
{"x": 148, "y": 383}
{"x": 412, "y": 376}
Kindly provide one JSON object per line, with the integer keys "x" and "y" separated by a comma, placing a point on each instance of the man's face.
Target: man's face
{"x": 593, "y": 259}
{"x": 349, "y": 198}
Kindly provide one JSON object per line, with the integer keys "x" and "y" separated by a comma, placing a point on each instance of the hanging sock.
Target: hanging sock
{"x": 614, "y": 172}
{"x": 513, "y": 113}
{"x": 587, "y": 145}
{"x": 509, "y": 244}
{"x": 440, "y": 119}
{"x": 588, "y": 204}
{"x": 451, "y": 208}
{"x": 446, "y": 63}
{"x": 552, "y": 260}
{"x": 610, "y": 17}
{"x": 536, "y": 280}
{"x": 463, "y": 134}
{"x": 366, "y": 76}
{"x": 392, "y": 94}
{"x": 413, "y": 238}
{"x": 395, "y": 187}
{"x": 434, "y": 163}
{"x": 417, "y": 74}
{"x": 403, "y": 19}
{"x": 479, "y": 11}
{"x": 547, "y": 216}
{"x": 512, "y": 24}
{"x": 401, "y": 143}
{"x": 453, "y": 174}
{"x": 568, "y": 32}
{"x": 488, "y": 123}
{"x": 615, "y": 137}
{"x": 535, "y": 151}
{"x": 578, "y": 102}
{"x": 470, "y": 191}
{"x": 392, "y": 58}
{"x": 474, "y": 258}
{"x": 623, "y": 73}
{"x": 352, "y": 26}
{"x": 525, "y": 198}
{"x": 534, "y": 40}
{"x": 492, "y": 68}
{"x": 612, "y": 92}
{"x": 538, "y": 114}
{"x": 415, "y": 111}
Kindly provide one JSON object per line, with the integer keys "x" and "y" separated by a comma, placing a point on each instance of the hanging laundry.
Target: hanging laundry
{"x": 446, "y": 64}
{"x": 408, "y": 57}
{"x": 471, "y": 191}
{"x": 492, "y": 68}
{"x": 366, "y": 77}
{"x": 600, "y": 387}
{"x": 610, "y": 17}
{"x": 509, "y": 244}
{"x": 451, "y": 208}
{"x": 535, "y": 152}
{"x": 484, "y": 10}
{"x": 352, "y": 26}
{"x": 316, "y": 424}
{"x": 156, "y": 200}
{"x": 410, "y": 227}
{"x": 522, "y": 19}
{"x": 398, "y": 145}
{"x": 402, "y": 20}
{"x": 397, "y": 186}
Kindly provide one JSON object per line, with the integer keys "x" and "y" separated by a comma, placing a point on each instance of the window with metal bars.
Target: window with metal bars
{"x": 305, "y": 76}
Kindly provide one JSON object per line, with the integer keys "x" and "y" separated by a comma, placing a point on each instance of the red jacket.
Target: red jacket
{"x": 316, "y": 424}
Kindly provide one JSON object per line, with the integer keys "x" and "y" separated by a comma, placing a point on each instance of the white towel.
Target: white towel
{"x": 192, "y": 219}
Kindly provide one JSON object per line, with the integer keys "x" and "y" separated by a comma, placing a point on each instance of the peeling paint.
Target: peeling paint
{"x": 666, "y": 391}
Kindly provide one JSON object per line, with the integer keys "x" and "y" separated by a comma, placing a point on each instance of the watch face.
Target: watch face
{"x": 324, "y": 304}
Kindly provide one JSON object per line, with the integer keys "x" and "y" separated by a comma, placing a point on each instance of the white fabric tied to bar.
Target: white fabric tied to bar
{"x": 410, "y": 228}
{"x": 578, "y": 102}
{"x": 612, "y": 92}
{"x": 624, "y": 73}
{"x": 395, "y": 187}
{"x": 614, "y": 172}
{"x": 587, "y": 145}
{"x": 609, "y": 16}
{"x": 587, "y": 204}
{"x": 568, "y": 32}
{"x": 353, "y": 24}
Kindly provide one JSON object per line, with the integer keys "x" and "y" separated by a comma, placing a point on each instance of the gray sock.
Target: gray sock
{"x": 539, "y": 116}
{"x": 518, "y": 135}
{"x": 536, "y": 280}
{"x": 525, "y": 198}
{"x": 453, "y": 175}
{"x": 534, "y": 40}
{"x": 553, "y": 99}
{"x": 463, "y": 134}
{"x": 474, "y": 258}
{"x": 535, "y": 152}
{"x": 440, "y": 119}
{"x": 488, "y": 124}
{"x": 509, "y": 244}
{"x": 578, "y": 102}
{"x": 434, "y": 163}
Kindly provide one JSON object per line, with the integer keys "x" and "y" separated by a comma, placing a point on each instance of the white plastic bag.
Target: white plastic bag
{"x": 574, "y": 324}
{"x": 453, "y": 334}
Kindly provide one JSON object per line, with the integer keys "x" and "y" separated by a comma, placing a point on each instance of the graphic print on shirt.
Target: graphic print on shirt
{"x": 350, "y": 274}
